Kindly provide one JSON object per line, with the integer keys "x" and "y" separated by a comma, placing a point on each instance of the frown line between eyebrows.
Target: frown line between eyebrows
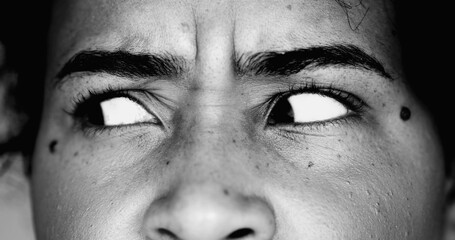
{"x": 122, "y": 64}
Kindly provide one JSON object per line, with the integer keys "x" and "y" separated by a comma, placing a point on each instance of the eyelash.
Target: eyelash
{"x": 84, "y": 100}
{"x": 354, "y": 104}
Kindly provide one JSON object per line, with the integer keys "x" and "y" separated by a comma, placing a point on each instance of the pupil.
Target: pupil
{"x": 281, "y": 112}
{"x": 94, "y": 114}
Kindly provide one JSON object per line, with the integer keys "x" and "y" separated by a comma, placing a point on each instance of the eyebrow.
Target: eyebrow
{"x": 123, "y": 64}
{"x": 295, "y": 61}
{"x": 141, "y": 65}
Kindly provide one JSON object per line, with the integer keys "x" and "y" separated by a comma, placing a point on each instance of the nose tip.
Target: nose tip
{"x": 209, "y": 214}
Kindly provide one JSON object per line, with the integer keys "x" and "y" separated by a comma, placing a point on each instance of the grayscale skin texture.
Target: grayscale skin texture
{"x": 214, "y": 165}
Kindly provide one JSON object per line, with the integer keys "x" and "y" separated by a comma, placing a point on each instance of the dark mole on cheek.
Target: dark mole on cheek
{"x": 52, "y": 146}
{"x": 405, "y": 113}
{"x": 226, "y": 192}
{"x": 75, "y": 154}
{"x": 289, "y": 7}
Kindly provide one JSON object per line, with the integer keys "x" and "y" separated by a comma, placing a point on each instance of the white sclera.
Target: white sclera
{"x": 122, "y": 111}
{"x": 314, "y": 107}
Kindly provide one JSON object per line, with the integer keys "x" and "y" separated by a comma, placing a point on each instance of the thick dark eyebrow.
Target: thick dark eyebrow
{"x": 292, "y": 62}
{"x": 123, "y": 64}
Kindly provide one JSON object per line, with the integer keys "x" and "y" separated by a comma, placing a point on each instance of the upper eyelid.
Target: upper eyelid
{"x": 109, "y": 94}
{"x": 327, "y": 91}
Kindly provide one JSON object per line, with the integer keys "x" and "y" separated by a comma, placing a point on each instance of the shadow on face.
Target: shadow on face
{"x": 232, "y": 120}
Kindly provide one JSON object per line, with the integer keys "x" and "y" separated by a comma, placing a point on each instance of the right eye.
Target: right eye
{"x": 113, "y": 111}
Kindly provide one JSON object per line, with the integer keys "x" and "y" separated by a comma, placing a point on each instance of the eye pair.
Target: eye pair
{"x": 299, "y": 106}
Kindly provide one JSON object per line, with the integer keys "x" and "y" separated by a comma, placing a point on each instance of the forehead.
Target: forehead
{"x": 180, "y": 27}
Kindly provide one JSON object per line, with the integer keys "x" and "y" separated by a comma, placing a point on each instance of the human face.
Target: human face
{"x": 219, "y": 141}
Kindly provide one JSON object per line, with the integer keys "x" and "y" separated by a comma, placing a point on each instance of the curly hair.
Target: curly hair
{"x": 23, "y": 33}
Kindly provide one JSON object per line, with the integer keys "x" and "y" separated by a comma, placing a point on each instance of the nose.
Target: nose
{"x": 209, "y": 212}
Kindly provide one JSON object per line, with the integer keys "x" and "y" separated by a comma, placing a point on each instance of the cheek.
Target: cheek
{"x": 90, "y": 190}
{"x": 357, "y": 187}
{"x": 60, "y": 196}
{"x": 55, "y": 191}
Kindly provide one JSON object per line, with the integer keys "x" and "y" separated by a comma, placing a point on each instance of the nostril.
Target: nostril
{"x": 241, "y": 233}
{"x": 166, "y": 234}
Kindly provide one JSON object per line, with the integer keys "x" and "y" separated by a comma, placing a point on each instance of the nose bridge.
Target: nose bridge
{"x": 212, "y": 136}
{"x": 212, "y": 114}
{"x": 211, "y": 119}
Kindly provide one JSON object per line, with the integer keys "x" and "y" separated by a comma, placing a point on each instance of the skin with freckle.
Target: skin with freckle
{"x": 208, "y": 161}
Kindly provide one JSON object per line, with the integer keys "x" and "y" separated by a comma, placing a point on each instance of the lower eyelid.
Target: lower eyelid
{"x": 94, "y": 131}
{"x": 319, "y": 128}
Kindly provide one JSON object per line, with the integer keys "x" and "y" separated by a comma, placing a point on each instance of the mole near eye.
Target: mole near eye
{"x": 405, "y": 113}
{"x": 52, "y": 146}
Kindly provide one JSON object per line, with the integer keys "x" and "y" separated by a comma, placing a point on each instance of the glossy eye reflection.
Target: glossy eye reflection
{"x": 306, "y": 108}
{"x": 113, "y": 111}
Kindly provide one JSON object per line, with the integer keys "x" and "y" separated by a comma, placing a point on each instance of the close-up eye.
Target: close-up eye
{"x": 107, "y": 110}
{"x": 313, "y": 107}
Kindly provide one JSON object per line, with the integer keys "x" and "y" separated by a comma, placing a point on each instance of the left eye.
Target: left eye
{"x": 306, "y": 108}
{"x": 114, "y": 111}
{"x": 123, "y": 111}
